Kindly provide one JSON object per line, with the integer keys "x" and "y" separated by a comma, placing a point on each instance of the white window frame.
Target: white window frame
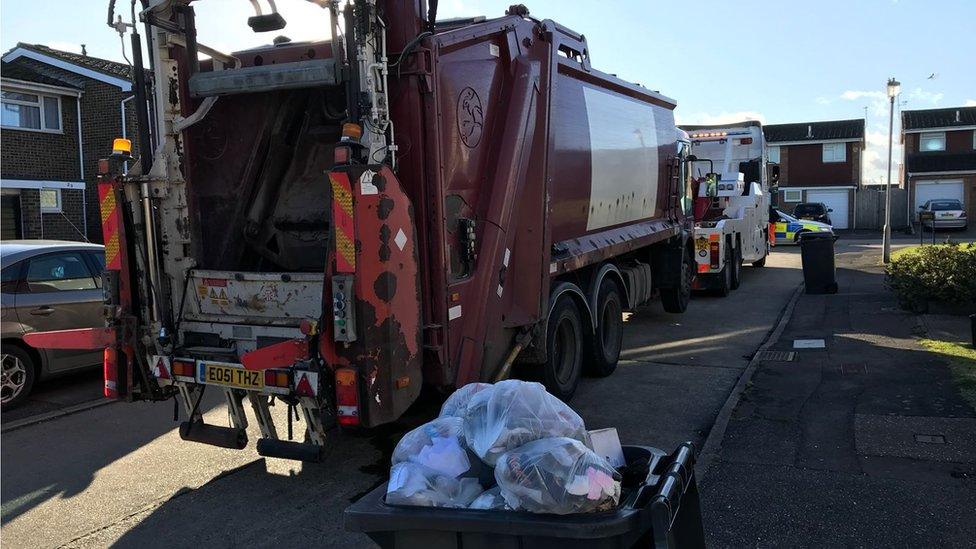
{"x": 931, "y": 135}
{"x": 831, "y": 150}
{"x": 786, "y": 195}
{"x": 40, "y": 105}
{"x": 773, "y": 153}
{"x": 50, "y": 209}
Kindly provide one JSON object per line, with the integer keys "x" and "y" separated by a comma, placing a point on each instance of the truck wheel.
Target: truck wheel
{"x": 724, "y": 278}
{"x": 603, "y": 347}
{"x": 675, "y": 300}
{"x": 17, "y": 376}
{"x": 736, "y": 267}
{"x": 762, "y": 260}
{"x": 564, "y": 350}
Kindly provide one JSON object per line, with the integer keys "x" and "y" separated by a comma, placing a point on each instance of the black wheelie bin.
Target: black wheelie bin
{"x": 660, "y": 511}
{"x": 817, "y": 253}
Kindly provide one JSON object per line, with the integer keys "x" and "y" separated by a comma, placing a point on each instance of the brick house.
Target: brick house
{"x": 819, "y": 162}
{"x": 940, "y": 156}
{"x": 47, "y": 158}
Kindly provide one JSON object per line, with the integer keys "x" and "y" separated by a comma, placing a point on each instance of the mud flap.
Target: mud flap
{"x": 374, "y": 242}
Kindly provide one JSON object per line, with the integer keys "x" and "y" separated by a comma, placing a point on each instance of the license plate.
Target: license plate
{"x": 230, "y": 375}
{"x": 947, "y": 215}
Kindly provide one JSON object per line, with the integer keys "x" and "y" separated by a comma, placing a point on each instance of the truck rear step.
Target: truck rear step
{"x": 224, "y": 437}
{"x": 287, "y": 449}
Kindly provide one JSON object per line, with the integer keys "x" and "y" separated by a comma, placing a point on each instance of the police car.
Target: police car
{"x": 788, "y": 228}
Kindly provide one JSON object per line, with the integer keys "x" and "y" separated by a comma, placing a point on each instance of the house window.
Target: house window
{"x": 793, "y": 195}
{"x": 834, "y": 152}
{"x": 774, "y": 154}
{"x": 31, "y": 111}
{"x": 50, "y": 200}
{"x": 933, "y": 141}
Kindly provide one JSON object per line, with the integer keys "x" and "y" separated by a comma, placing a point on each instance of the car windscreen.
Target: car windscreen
{"x": 944, "y": 205}
{"x": 808, "y": 209}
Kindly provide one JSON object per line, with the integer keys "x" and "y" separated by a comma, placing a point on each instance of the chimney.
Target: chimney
{"x": 84, "y": 51}
{"x": 810, "y": 131}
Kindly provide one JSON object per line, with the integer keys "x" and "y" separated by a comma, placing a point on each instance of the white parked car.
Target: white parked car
{"x": 949, "y": 214}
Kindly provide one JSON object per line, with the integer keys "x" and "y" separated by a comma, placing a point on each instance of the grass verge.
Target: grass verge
{"x": 962, "y": 362}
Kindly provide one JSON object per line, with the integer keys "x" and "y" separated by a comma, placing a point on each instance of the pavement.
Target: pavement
{"x": 862, "y": 443}
{"x": 119, "y": 474}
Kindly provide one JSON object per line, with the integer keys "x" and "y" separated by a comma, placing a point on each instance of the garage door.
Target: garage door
{"x": 937, "y": 190}
{"x": 837, "y": 200}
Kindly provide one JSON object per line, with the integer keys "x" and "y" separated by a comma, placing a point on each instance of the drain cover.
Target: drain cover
{"x": 809, "y": 344}
{"x": 930, "y": 439}
{"x": 776, "y": 356}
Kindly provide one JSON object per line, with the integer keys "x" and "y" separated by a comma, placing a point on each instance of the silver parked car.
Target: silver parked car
{"x": 47, "y": 285}
{"x": 949, "y": 214}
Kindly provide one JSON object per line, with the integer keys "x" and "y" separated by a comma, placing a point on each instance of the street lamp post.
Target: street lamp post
{"x": 893, "y": 87}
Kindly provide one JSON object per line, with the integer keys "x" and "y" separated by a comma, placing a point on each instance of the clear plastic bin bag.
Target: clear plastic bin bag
{"x": 414, "y": 484}
{"x": 491, "y": 500}
{"x": 457, "y": 403}
{"x": 438, "y": 445}
{"x": 559, "y": 476}
{"x": 513, "y": 413}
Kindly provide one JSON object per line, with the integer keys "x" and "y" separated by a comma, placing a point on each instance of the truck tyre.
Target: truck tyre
{"x": 724, "y": 279}
{"x": 19, "y": 372}
{"x": 736, "y": 266}
{"x": 564, "y": 350}
{"x": 675, "y": 300}
{"x": 603, "y": 347}
{"x": 762, "y": 261}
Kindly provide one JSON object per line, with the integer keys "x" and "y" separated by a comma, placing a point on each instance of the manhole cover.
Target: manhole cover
{"x": 930, "y": 439}
{"x": 809, "y": 344}
{"x": 776, "y": 356}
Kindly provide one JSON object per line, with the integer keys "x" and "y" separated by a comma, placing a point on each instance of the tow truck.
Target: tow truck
{"x": 730, "y": 201}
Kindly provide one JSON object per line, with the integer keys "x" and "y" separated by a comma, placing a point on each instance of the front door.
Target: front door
{"x": 61, "y": 294}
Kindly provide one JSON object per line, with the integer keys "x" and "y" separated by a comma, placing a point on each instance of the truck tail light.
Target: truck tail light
{"x": 183, "y": 368}
{"x": 341, "y": 154}
{"x": 347, "y": 396}
{"x": 110, "y": 368}
{"x": 714, "y": 249}
{"x": 276, "y": 378}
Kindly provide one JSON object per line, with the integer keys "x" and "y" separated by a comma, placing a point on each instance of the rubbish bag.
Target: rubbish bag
{"x": 490, "y": 499}
{"x": 513, "y": 413}
{"x": 557, "y": 475}
{"x": 414, "y": 484}
{"x": 457, "y": 403}
{"x": 438, "y": 445}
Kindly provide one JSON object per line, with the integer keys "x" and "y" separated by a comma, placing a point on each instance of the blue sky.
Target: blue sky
{"x": 784, "y": 61}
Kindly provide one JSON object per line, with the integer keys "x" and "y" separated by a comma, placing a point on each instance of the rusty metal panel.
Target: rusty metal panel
{"x": 257, "y": 297}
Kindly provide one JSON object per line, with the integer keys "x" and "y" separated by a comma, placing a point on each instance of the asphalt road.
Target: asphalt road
{"x": 119, "y": 474}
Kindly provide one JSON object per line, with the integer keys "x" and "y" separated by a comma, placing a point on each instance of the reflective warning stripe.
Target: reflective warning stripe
{"x": 110, "y": 226}
{"x": 342, "y": 222}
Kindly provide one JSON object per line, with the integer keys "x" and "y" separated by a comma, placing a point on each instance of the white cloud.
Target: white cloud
{"x": 918, "y": 95}
{"x": 822, "y": 101}
{"x": 970, "y": 103}
{"x": 854, "y": 95}
{"x": 705, "y": 119}
{"x": 875, "y": 156}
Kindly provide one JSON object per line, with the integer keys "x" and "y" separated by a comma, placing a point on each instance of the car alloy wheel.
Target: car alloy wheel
{"x": 13, "y": 377}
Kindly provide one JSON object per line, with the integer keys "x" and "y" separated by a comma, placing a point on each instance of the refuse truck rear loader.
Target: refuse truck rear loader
{"x": 336, "y": 224}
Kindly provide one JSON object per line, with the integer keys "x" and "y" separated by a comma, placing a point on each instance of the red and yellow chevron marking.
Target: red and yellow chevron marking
{"x": 110, "y": 226}
{"x": 342, "y": 222}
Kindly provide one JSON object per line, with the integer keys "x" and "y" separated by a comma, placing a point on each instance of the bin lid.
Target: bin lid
{"x": 805, "y": 237}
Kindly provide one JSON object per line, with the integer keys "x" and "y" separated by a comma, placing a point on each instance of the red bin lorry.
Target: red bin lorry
{"x": 336, "y": 224}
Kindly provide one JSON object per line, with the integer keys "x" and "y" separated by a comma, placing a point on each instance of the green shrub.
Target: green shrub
{"x": 944, "y": 273}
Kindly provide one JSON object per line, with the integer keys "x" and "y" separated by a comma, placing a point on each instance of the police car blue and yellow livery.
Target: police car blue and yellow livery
{"x": 788, "y": 227}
